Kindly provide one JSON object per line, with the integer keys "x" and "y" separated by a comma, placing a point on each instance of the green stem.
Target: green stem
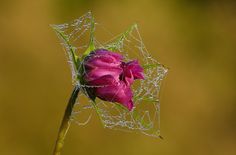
{"x": 65, "y": 124}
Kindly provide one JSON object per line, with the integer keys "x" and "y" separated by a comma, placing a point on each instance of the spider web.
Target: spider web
{"x": 76, "y": 38}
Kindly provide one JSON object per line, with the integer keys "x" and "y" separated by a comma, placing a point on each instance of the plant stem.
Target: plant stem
{"x": 65, "y": 124}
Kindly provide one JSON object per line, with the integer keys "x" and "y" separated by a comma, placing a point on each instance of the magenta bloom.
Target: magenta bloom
{"x": 111, "y": 76}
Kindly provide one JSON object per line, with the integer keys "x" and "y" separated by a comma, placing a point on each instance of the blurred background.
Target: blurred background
{"x": 196, "y": 39}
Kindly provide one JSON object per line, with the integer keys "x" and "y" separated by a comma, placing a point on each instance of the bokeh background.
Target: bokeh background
{"x": 196, "y": 39}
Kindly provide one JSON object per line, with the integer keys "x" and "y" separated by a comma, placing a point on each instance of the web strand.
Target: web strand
{"x": 145, "y": 117}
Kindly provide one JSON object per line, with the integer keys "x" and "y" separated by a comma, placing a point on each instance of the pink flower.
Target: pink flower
{"x": 111, "y": 76}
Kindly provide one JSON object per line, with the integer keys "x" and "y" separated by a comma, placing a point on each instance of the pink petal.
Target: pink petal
{"x": 135, "y": 68}
{"x": 102, "y": 61}
{"x": 116, "y": 56}
{"x": 99, "y": 72}
{"x": 106, "y": 80}
{"x": 118, "y": 92}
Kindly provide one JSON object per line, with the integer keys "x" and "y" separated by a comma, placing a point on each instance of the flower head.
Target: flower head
{"x": 111, "y": 76}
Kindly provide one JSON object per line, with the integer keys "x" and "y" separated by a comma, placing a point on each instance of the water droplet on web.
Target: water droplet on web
{"x": 145, "y": 117}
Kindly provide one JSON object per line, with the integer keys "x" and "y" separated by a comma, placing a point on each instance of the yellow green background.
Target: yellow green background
{"x": 196, "y": 39}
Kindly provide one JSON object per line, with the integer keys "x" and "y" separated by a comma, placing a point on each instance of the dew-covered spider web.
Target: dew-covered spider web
{"x": 77, "y": 38}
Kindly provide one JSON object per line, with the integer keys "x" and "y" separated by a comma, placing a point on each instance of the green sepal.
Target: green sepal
{"x": 91, "y": 46}
{"x": 115, "y": 45}
{"x": 90, "y": 93}
{"x": 72, "y": 49}
{"x": 89, "y": 49}
{"x": 139, "y": 118}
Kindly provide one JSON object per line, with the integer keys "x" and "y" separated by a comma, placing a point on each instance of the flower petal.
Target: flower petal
{"x": 118, "y": 92}
{"x": 135, "y": 68}
{"x": 100, "y": 72}
{"x": 103, "y": 58}
{"x": 106, "y": 80}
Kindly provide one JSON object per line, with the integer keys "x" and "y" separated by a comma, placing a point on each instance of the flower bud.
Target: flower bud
{"x": 111, "y": 77}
